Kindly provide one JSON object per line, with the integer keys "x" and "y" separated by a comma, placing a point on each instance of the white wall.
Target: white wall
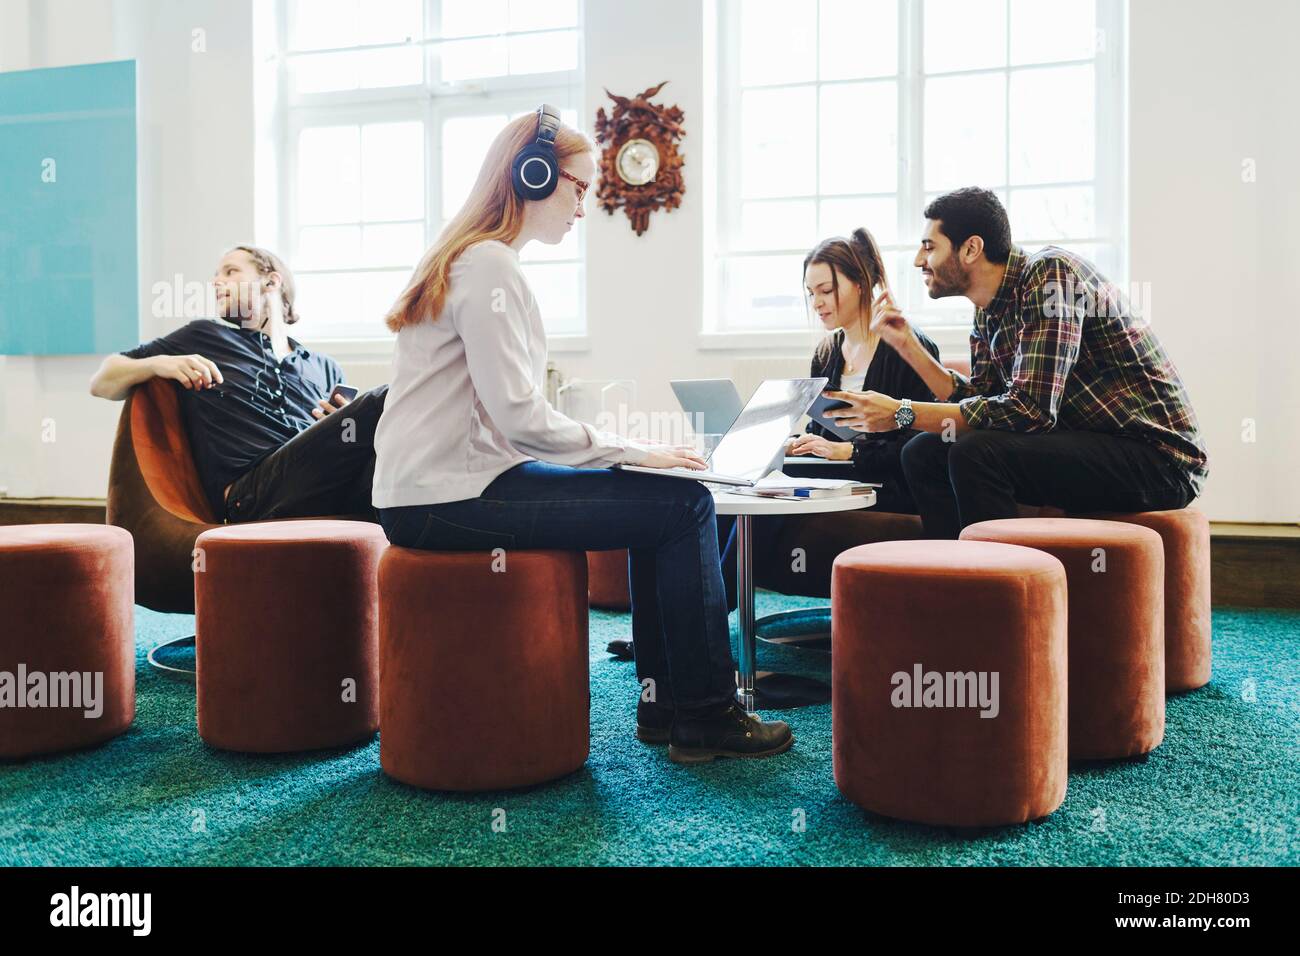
{"x": 1211, "y": 85}
{"x": 1214, "y": 85}
{"x": 195, "y": 188}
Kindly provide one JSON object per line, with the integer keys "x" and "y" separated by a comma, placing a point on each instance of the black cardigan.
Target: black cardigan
{"x": 875, "y": 454}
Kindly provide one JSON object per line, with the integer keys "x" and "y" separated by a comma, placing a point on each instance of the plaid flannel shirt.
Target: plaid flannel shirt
{"x": 1058, "y": 348}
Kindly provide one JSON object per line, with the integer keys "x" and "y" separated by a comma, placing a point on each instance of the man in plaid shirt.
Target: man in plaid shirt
{"x": 1072, "y": 401}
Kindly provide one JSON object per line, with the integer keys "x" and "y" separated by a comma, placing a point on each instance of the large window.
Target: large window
{"x": 389, "y": 109}
{"x": 844, "y": 113}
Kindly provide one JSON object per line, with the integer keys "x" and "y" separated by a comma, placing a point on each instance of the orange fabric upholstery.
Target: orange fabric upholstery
{"x": 1117, "y": 627}
{"x": 820, "y": 539}
{"x": 162, "y": 450}
{"x": 950, "y": 608}
{"x": 607, "y": 585}
{"x": 1186, "y": 537}
{"x": 483, "y": 667}
{"x": 66, "y": 594}
{"x": 154, "y": 493}
{"x": 286, "y": 615}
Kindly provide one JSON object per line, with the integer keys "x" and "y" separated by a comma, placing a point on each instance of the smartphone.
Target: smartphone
{"x": 345, "y": 392}
{"x": 823, "y": 404}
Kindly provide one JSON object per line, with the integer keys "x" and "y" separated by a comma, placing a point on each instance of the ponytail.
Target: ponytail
{"x": 867, "y": 251}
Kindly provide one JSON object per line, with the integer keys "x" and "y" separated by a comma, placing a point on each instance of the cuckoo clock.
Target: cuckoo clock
{"x": 640, "y": 167}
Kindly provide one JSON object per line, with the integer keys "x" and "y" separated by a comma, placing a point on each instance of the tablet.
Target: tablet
{"x": 822, "y": 404}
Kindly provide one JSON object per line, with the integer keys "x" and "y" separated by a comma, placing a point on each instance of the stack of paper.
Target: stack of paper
{"x": 779, "y": 485}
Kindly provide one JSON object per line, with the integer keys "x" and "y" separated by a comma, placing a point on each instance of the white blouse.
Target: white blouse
{"x": 467, "y": 398}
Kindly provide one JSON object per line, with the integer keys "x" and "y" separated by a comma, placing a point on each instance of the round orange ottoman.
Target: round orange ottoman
{"x": 1186, "y": 537}
{"x": 607, "y": 584}
{"x": 67, "y": 645}
{"x": 286, "y": 634}
{"x": 1117, "y": 627}
{"x": 948, "y": 696}
{"x": 483, "y": 667}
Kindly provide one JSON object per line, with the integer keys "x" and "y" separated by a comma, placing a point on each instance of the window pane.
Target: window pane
{"x": 778, "y": 41}
{"x": 1044, "y": 214}
{"x": 858, "y": 38}
{"x": 400, "y": 66}
{"x": 905, "y": 281}
{"x": 389, "y": 21}
{"x": 328, "y": 247}
{"x": 532, "y": 15}
{"x": 379, "y": 290}
{"x": 965, "y": 131}
{"x": 543, "y": 53}
{"x": 1000, "y": 192}
{"x": 1044, "y": 31}
{"x": 465, "y": 141}
{"x": 324, "y": 72}
{"x": 556, "y": 290}
{"x": 329, "y": 168}
{"x": 1053, "y": 132}
{"x": 569, "y": 117}
{"x": 777, "y": 156}
{"x": 323, "y": 24}
{"x": 764, "y": 292}
{"x": 396, "y": 244}
{"x": 329, "y": 301}
{"x": 964, "y": 34}
{"x": 472, "y": 59}
{"x": 778, "y": 225}
{"x": 392, "y": 165}
{"x": 472, "y": 18}
{"x": 839, "y": 217}
{"x": 859, "y": 138}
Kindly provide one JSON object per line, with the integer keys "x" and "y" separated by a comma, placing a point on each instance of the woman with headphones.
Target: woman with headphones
{"x": 470, "y": 456}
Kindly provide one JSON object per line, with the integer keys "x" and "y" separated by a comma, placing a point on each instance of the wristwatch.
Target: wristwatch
{"x": 904, "y": 417}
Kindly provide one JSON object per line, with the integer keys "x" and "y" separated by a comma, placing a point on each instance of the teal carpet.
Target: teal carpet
{"x": 1223, "y": 789}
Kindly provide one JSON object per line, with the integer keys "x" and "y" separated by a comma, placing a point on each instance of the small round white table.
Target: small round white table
{"x": 745, "y": 508}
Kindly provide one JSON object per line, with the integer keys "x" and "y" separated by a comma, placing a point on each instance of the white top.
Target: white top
{"x": 853, "y": 383}
{"x": 730, "y": 503}
{"x": 467, "y": 398}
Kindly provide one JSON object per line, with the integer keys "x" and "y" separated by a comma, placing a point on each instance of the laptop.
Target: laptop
{"x": 754, "y": 445}
{"x": 712, "y": 403}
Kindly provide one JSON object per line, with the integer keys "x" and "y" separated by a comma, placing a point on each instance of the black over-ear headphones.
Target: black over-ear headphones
{"x": 535, "y": 172}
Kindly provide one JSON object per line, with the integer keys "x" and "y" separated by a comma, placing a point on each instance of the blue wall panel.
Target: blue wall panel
{"x": 68, "y": 262}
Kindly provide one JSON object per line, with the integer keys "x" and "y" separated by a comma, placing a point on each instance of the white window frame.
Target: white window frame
{"x": 1110, "y": 171}
{"x": 431, "y": 102}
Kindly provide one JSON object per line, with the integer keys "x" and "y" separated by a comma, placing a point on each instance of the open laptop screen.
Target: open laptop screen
{"x": 756, "y": 440}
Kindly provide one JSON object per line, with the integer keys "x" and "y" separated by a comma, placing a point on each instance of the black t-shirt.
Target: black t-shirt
{"x": 259, "y": 406}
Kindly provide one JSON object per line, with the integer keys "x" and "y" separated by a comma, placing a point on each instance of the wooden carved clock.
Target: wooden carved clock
{"x": 640, "y": 167}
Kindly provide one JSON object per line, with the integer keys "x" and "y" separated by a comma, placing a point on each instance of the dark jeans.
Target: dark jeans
{"x": 984, "y": 474}
{"x": 326, "y": 469}
{"x": 679, "y": 613}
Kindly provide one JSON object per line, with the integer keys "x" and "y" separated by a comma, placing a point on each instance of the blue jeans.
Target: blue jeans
{"x": 679, "y": 609}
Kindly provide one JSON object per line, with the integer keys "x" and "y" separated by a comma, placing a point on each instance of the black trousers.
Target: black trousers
{"x": 327, "y": 469}
{"x": 984, "y": 474}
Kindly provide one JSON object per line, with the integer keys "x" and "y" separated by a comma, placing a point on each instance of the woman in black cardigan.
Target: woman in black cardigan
{"x": 841, "y": 277}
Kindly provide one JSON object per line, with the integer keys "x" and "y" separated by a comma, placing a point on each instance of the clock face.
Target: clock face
{"x": 638, "y": 162}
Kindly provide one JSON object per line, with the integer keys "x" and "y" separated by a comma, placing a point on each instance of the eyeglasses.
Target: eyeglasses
{"x": 582, "y": 187}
